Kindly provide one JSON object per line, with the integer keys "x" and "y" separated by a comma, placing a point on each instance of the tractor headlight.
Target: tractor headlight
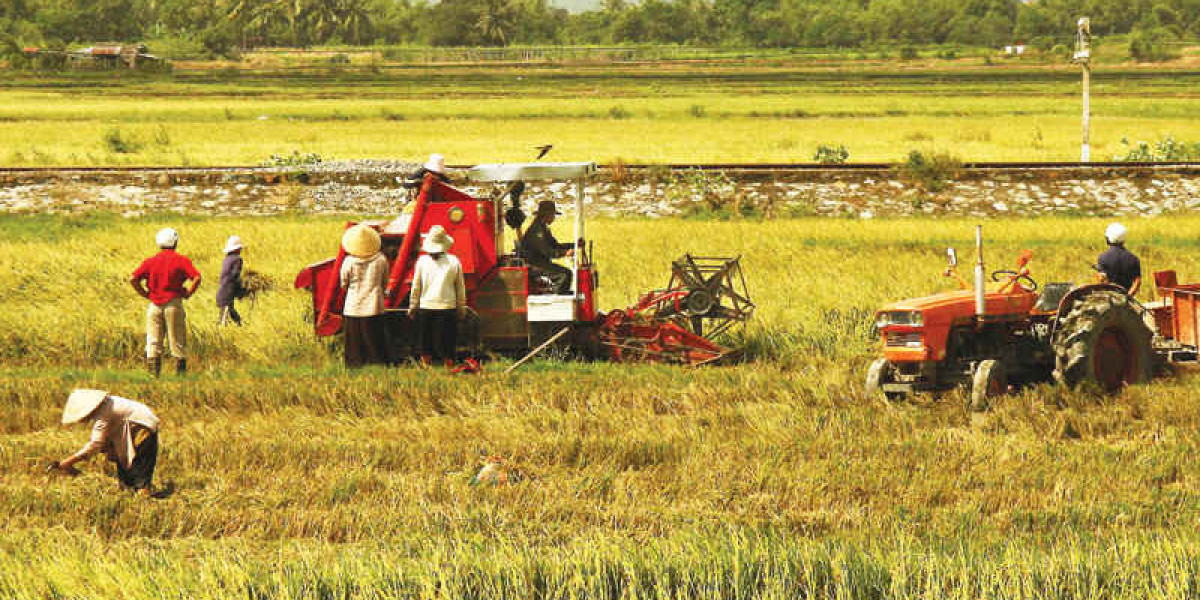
{"x": 909, "y": 318}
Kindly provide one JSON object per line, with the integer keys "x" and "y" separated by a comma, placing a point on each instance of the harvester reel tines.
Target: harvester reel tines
{"x": 714, "y": 294}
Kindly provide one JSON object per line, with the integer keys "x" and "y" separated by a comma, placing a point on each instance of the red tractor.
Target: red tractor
{"x": 1010, "y": 333}
{"x": 514, "y": 307}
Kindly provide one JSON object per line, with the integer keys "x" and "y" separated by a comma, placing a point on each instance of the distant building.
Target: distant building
{"x": 100, "y": 56}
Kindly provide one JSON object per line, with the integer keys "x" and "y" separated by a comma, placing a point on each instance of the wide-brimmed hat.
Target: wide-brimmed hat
{"x": 233, "y": 243}
{"x": 547, "y": 207}
{"x": 436, "y": 163}
{"x": 81, "y": 404}
{"x": 436, "y": 240}
{"x": 361, "y": 241}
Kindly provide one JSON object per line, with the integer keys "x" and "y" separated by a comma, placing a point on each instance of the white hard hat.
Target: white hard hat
{"x": 166, "y": 238}
{"x": 436, "y": 163}
{"x": 1115, "y": 233}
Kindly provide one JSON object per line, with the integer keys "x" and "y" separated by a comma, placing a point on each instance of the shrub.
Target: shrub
{"x": 1148, "y": 46}
{"x": 829, "y": 154}
{"x": 908, "y": 53}
{"x": 618, "y": 112}
{"x": 932, "y": 172}
{"x": 295, "y": 159}
{"x": 120, "y": 142}
{"x": 1165, "y": 150}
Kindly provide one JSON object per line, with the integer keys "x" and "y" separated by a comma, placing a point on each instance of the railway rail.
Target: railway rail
{"x": 758, "y": 167}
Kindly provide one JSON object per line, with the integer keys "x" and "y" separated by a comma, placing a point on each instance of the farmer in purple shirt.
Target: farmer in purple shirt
{"x": 230, "y": 286}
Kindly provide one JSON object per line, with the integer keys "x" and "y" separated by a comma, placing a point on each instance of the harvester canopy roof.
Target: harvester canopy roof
{"x": 530, "y": 171}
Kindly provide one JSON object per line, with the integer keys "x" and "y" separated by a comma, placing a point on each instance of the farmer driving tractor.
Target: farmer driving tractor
{"x": 541, "y": 248}
{"x": 1118, "y": 265}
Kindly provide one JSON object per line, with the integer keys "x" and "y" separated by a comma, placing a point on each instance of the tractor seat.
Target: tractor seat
{"x": 1052, "y": 294}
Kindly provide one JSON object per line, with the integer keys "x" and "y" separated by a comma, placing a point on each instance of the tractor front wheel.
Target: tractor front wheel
{"x": 879, "y": 373}
{"x": 988, "y": 382}
{"x": 1105, "y": 341}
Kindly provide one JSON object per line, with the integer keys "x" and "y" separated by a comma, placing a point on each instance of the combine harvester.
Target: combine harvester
{"x": 1005, "y": 333}
{"x": 514, "y": 308}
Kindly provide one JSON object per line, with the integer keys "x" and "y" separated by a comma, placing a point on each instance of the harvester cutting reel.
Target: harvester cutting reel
{"x": 705, "y": 298}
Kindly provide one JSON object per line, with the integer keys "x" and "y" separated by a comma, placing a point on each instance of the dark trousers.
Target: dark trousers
{"x": 140, "y": 474}
{"x": 228, "y": 313}
{"x": 366, "y": 341}
{"x": 439, "y": 332}
{"x": 559, "y": 276}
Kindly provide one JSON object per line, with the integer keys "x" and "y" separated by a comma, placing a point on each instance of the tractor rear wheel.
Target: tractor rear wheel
{"x": 989, "y": 381}
{"x": 1105, "y": 341}
{"x": 879, "y": 373}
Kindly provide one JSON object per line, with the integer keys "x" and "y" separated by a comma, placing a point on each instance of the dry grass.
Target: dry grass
{"x": 774, "y": 479}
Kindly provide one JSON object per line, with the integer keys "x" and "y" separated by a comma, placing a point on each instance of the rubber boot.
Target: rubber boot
{"x": 181, "y": 366}
{"x": 154, "y": 365}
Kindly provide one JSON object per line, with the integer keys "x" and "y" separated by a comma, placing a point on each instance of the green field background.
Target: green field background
{"x": 668, "y": 114}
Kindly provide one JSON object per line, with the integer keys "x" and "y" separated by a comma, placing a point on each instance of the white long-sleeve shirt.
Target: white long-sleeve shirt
{"x": 438, "y": 284}
{"x": 364, "y": 280}
{"x": 114, "y": 430}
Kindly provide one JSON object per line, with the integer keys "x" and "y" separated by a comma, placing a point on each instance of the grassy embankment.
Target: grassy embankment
{"x": 777, "y": 478}
{"x": 703, "y": 113}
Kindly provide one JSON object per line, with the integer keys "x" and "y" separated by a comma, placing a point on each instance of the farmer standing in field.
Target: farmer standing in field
{"x": 438, "y": 299}
{"x": 126, "y": 431}
{"x": 162, "y": 280}
{"x": 541, "y": 248}
{"x": 363, "y": 275}
{"x": 229, "y": 287}
{"x": 1118, "y": 265}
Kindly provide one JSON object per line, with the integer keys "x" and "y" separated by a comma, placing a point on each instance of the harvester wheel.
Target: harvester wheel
{"x": 989, "y": 381}
{"x": 1103, "y": 340}
{"x": 879, "y": 373}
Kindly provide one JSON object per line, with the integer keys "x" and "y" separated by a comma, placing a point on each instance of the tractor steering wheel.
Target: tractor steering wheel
{"x": 1027, "y": 283}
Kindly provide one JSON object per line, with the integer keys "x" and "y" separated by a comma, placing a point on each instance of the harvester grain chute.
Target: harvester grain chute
{"x": 993, "y": 336}
{"x": 514, "y": 307}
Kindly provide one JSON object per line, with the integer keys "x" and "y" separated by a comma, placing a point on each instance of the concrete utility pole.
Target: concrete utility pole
{"x": 1083, "y": 56}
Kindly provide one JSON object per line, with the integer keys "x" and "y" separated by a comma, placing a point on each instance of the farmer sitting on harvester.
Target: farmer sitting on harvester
{"x": 435, "y": 165}
{"x": 540, "y": 248}
{"x": 1118, "y": 265}
{"x": 126, "y": 431}
{"x": 161, "y": 279}
{"x": 439, "y": 297}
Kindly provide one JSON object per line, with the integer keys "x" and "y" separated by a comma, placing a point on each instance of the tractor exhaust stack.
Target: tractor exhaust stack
{"x": 980, "y": 305}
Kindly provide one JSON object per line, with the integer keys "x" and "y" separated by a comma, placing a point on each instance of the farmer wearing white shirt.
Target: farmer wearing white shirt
{"x": 363, "y": 275}
{"x": 125, "y": 430}
{"x": 439, "y": 297}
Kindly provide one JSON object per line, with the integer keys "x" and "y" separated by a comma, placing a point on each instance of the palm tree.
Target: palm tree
{"x": 494, "y": 21}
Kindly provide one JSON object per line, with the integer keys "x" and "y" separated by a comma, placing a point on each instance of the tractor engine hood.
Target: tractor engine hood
{"x": 959, "y": 305}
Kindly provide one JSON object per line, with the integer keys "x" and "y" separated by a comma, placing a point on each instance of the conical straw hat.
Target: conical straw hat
{"x": 361, "y": 241}
{"x": 81, "y": 404}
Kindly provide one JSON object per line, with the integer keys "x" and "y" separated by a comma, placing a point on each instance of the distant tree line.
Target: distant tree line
{"x": 223, "y": 26}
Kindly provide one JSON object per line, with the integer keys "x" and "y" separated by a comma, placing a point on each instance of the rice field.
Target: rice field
{"x": 777, "y": 478}
{"x": 673, "y": 114}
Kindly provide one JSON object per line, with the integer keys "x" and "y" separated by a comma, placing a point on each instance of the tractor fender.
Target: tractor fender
{"x": 1068, "y": 301}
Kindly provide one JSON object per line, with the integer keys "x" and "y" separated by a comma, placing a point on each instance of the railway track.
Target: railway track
{"x": 757, "y": 167}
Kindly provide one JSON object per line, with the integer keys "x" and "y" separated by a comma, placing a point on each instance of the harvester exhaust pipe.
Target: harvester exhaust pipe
{"x": 980, "y": 305}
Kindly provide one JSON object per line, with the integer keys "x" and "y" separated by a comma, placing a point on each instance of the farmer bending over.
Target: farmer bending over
{"x": 126, "y": 431}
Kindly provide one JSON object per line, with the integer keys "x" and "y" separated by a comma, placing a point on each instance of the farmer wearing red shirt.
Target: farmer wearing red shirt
{"x": 160, "y": 279}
